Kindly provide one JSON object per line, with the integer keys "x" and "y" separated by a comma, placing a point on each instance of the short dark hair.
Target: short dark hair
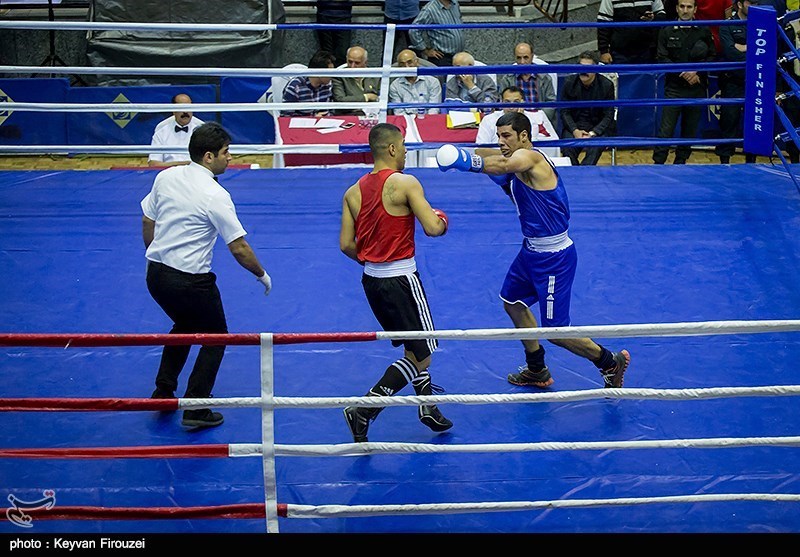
{"x": 321, "y": 59}
{"x": 209, "y": 137}
{"x": 589, "y": 55}
{"x": 175, "y": 98}
{"x": 380, "y": 136}
{"x": 517, "y": 120}
{"x": 512, "y": 89}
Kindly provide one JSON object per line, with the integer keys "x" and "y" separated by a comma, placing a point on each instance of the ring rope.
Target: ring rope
{"x": 256, "y": 510}
{"x": 677, "y": 329}
{"x": 147, "y": 404}
{"x": 235, "y": 450}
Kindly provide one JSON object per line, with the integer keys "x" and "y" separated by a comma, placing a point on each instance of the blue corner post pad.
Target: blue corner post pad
{"x": 760, "y": 75}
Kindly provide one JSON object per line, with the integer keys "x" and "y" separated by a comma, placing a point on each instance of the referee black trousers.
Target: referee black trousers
{"x": 194, "y": 304}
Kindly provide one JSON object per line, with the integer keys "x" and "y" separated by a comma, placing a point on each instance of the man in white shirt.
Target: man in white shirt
{"x": 175, "y": 131}
{"x": 415, "y": 88}
{"x": 541, "y": 128}
{"x": 184, "y": 213}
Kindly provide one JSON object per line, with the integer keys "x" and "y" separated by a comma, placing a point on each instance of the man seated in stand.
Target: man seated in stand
{"x": 356, "y": 89}
{"x": 306, "y": 89}
{"x": 474, "y": 88}
{"x": 539, "y": 87}
{"x": 174, "y": 131}
{"x": 587, "y": 122}
{"x": 414, "y": 88}
{"x": 541, "y": 128}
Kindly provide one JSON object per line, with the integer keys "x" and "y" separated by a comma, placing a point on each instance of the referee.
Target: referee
{"x": 183, "y": 215}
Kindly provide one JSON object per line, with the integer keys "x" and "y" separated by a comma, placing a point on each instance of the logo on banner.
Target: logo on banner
{"x": 121, "y": 119}
{"x": 16, "y": 513}
{"x": 4, "y": 114}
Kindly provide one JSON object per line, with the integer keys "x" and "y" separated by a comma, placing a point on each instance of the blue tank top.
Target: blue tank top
{"x": 541, "y": 213}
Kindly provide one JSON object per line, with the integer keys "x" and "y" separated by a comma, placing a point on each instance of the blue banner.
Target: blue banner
{"x": 124, "y": 127}
{"x": 637, "y": 121}
{"x": 760, "y": 72}
{"x": 33, "y": 128}
{"x": 247, "y": 127}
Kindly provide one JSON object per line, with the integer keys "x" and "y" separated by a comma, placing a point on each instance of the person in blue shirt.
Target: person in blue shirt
{"x": 400, "y": 12}
{"x": 544, "y": 269}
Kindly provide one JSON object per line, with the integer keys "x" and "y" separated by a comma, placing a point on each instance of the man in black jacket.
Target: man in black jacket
{"x": 679, "y": 44}
{"x": 628, "y": 45}
{"x": 589, "y": 122}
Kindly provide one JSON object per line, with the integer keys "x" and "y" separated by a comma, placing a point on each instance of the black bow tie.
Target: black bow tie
{"x": 182, "y": 129}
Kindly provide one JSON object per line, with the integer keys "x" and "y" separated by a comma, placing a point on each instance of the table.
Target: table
{"x": 286, "y": 135}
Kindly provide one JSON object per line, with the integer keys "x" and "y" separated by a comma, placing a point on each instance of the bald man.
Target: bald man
{"x": 356, "y": 89}
{"x": 474, "y": 88}
{"x": 175, "y": 131}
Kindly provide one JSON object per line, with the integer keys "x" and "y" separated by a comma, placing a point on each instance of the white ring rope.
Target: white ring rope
{"x": 217, "y": 72}
{"x": 699, "y": 328}
{"x": 122, "y": 26}
{"x": 371, "y": 447}
{"x": 563, "y": 396}
{"x": 331, "y": 511}
{"x": 169, "y": 107}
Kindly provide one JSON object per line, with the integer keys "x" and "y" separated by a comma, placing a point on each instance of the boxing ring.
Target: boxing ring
{"x": 693, "y": 269}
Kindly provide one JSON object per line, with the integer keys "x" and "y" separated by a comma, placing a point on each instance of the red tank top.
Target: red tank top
{"x": 381, "y": 237}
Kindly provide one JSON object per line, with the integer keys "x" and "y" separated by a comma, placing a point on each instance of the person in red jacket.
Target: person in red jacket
{"x": 379, "y": 215}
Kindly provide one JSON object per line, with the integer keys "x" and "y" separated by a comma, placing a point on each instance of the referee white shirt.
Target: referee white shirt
{"x": 190, "y": 209}
{"x": 166, "y": 136}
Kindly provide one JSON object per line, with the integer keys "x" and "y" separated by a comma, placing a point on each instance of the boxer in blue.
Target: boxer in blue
{"x": 544, "y": 269}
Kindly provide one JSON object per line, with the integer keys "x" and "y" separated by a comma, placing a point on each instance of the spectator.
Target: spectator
{"x": 475, "y": 88}
{"x": 174, "y": 131}
{"x": 707, "y": 10}
{"x": 731, "y": 83}
{"x": 538, "y": 87}
{"x": 487, "y": 130}
{"x": 414, "y": 88}
{"x": 438, "y": 45}
{"x": 400, "y": 12}
{"x": 356, "y": 89}
{"x": 589, "y": 122}
{"x": 310, "y": 89}
{"x": 678, "y": 44}
{"x": 628, "y": 45}
{"x": 336, "y": 42}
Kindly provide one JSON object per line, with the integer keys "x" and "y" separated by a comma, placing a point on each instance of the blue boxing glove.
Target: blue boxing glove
{"x": 450, "y": 156}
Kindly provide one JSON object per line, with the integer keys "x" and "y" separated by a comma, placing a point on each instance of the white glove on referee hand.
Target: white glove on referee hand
{"x": 267, "y": 282}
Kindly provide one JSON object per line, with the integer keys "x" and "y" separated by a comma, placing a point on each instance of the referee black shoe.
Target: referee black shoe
{"x": 196, "y": 419}
{"x": 431, "y": 416}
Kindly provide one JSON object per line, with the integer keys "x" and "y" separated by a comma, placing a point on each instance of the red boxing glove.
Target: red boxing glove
{"x": 441, "y": 214}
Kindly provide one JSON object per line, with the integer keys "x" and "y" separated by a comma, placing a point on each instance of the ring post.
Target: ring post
{"x": 268, "y": 433}
{"x": 760, "y": 75}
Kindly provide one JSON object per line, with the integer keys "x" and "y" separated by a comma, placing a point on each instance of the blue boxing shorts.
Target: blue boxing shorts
{"x": 544, "y": 277}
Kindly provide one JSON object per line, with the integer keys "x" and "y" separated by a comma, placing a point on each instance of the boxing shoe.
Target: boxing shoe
{"x": 614, "y": 376}
{"x": 528, "y": 378}
{"x": 431, "y": 416}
